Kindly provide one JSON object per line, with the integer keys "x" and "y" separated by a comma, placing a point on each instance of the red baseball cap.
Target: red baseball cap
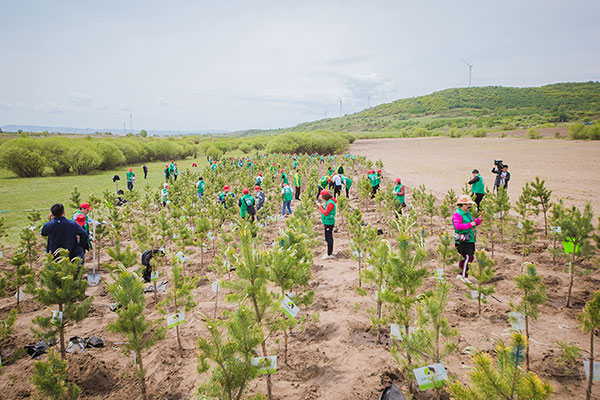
{"x": 324, "y": 192}
{"x": 280, "y": 170}
{"x": 226, "y": 188}
{"x": 80, "y": 219}
{"x": 379, "y": 170}
{"x": 398, "y": 180}
{"x": 245, "y": 191}
{"x": 130, "y": 169}
{"x": 257, "y": 188}
{"x": 85, "y": 205}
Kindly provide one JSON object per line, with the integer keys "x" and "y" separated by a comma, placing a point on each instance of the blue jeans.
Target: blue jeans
{"x": 286, "y": 204}
{"x": 200, "y": 196}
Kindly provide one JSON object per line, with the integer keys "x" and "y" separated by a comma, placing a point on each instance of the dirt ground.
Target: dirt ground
{"x": 336, "y": 356}
{"x": 571, "y": 169}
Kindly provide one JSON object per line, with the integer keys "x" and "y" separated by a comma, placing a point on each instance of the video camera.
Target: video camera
{"x": 499, "y": 164}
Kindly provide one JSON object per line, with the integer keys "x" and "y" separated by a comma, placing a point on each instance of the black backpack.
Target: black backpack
{"x": 250, "y": 207}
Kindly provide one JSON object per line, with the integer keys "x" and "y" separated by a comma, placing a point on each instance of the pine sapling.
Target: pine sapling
{"x": 140, "y": 333}
{"x": 50, "y": 379}
{"x": 179, "y": 297}
{"x": 541, "y": 199}
{"x": 22, "y": 279}
{"x": 430, "y": 208}
{"x": 533, "y": 295}
{"x": 229, "y": 354}
{"x": 75, "y": 198}
{"x": 525, "y": 235}
{"x": 363, "y": 237}
{"x": 589, "y": 319}
{"x": 61, "y": 285}
{"x": 446, "y": 252}
{"x": 6, "y": 330}
{"x": 483, "y": 272}
{"x": 504, "y": 378}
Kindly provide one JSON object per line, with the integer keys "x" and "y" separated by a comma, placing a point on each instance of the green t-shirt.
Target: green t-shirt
{"x": 287, "y": 193}
{"x": 374, "y": 179}
{"x": 201, "y": 185}
{"x": 347, "y": 182}
{"x": 329, "y": 219}
{"x": 397, "y": 190}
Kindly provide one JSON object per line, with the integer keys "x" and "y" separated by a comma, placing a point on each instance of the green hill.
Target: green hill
{"x": 476, "y": 107}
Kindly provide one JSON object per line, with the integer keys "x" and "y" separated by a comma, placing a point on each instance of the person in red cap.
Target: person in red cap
{"x": 224, "y": 194}
{"x": 130, "y": 179}
{"x": 246, "y": 204}
{"x": 284, "y": 178}
{"x": 259, "y": 179}
{"x": 84, "y": 209}
{"x": 399, "y": 195}
{"x": 86, "y": 244}
{"x": 259, "y": 200}
{"x": 374, "y": 180}
{"x": 328, "y": 220}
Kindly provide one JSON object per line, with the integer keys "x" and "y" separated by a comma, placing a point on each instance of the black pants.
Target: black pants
{"x": 145, "y": 174}
{"x": 175, "y": 176}
{"x": 297, "y": 194}
{"x": 374, "y": 191}
{"x": 467, "y": 251}
{"x": 347, "y": 196}
{"x": 478, "y": 198}
{"x": 337, "y": 190}
{"x": 331, "y": 185}
{"x": 329, "y": 238}
{"x": 319, "y": 188}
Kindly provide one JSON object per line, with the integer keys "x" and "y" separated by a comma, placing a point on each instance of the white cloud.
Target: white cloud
{"x": 161, "y": 101}
{"x": 7, "y": 107}
{"x": 79, "y": 99}
{"x": 124, "y": 107}
{"x": 51, "y": 107}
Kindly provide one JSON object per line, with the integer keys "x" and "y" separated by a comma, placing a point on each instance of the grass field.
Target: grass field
{"x": 20, "y": 194}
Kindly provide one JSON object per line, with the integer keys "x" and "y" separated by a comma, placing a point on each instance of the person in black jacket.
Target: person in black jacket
{"x": 63, "y": 233}
{"x": 502, "y": 177}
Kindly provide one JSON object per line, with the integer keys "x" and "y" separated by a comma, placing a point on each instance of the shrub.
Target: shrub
{"x": 479, "y": 133}
{"x": 58, "y": 158}
{"x": 576, "y": 131}
{"x": 111, "y": 155}
{"x": 84, "y": 159}
{"x": 533, "y": 134}
{"x": 25, "y": 157}
{"x": 454, "y": 133}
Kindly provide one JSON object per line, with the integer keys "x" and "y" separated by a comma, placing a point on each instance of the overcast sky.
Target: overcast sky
{"x": 194, "y": 65}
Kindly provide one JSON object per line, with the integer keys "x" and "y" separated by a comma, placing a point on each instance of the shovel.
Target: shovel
{"x": 93, "y": 278}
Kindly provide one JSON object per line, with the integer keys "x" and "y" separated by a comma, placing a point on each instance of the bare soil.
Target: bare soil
{"x": 336, "y": 356}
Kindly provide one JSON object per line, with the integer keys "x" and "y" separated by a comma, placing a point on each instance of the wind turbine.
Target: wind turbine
{"x": 470, "y": 68}
{"x": 340, "y": 106}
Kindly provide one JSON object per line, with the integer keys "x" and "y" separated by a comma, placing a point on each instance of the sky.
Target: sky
{"x": 232, "y": 65}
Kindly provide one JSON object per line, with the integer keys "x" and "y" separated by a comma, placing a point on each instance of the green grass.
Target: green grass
{"x": 20, "y": 194}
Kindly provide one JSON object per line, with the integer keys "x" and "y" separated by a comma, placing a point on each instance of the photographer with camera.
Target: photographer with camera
{"x": 502, "y": 175}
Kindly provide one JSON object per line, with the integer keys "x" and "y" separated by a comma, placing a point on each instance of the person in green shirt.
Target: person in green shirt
{"x": 284, "y": 178}
{"x": 175, "y": 171}
{"x": 165, "y": 194}
{"x": 328, "y": 220}
{"x": 399, "y": 195}
{"x": 374, "y": 180}
{"x": 477, "y": 187}
{"x": 246, "y": 204}
{"x": 347, "y": 185}
{"x": 130, "y": 179}
{"x": 84, "y": 208}
{"x": 167, "y": 173}
{"x": 286, "y": 191}
{"x": 200, "y": 187}
{"x": 297, "y": 184}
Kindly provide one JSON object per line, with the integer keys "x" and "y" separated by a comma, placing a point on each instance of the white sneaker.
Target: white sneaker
{"x": 467, "y": 280}
{"x": 326, "y": 257}
{"x": 460, "y": 278}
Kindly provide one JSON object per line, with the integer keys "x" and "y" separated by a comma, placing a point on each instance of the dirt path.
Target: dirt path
{"x": 571, "y": 168}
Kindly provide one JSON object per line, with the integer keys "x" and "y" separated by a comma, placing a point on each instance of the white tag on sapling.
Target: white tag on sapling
{"x": 20, "y": 295}
{"x": 517, "y": 321}
{"x": 181, "y": 257}
{"x": 289, "y": 308}
{"x": 215, "y": 286}
{"x": 175, "y": 319}
{"x": 431, "y": 376}
{"x": 439, "y": 275}
{"x": 395, "y": 331}
{"x": 154, "y": 276}
{"x": 519, "y": 225}
{"x": 586, "y": 366}
{"x": 475, "y": 294}
{"x": 266, "y": 365}
{"x": 57, "y": 317}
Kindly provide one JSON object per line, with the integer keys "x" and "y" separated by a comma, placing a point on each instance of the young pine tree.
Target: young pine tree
{"x": 229, "y": 355}
{"x": 140, "y": 333}
{"x": 541, "y": 199}
{"x": 533, "y": 295}
{"x": 75, "y": 198}
{"x": 430, "y": 208}
{"x": 379, "y": 260}
{"x": 61, "y": 285}
{"x": 50, "y": 379}
{"x": 504, "y": 378}
{"x": 576, "y": 228}
{"x": 525, "y": 235}
{"x": 363, "y": 237}
{"x": 22, "y": 279}
{"x": 483, "y": 272}
{"x": 252, "y": 285}
{"x": 179, "y": 297}
{"x": 446, "y": 252}
{"x": 448, "y": 205}
{"x": 590, "y": 322}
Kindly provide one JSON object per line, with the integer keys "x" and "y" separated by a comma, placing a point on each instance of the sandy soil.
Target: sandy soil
{"x": 571, "y": 169}
{"x": 336, "y": 357}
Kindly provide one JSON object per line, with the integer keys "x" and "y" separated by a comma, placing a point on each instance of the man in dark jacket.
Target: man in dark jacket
{"x": 502, "y": 177}
{"x": 62, "y": 233}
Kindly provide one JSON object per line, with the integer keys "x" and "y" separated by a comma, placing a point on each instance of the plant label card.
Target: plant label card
{"x": 32, "y": 228}
{"x": 517, "y": 321}
{"x": 57, "y": 317}
{"x": 176, "y": 236}
{"x": 1, "y": 254}
{"x": 181, "y": 257}
{"x": 439, "y": 275}
{"x": 266, "y": 365}
{"x": 215, "y": 286}
{"x": 475, "y": 295}
{"x": 289, "y": 308}
{"x": 568, "y": 246}
{"x": 20, "y": 294}
{"x": 153, "y": 276}
{"x": 431, "y": 376}
{"x": 395, "y": 331}
{"x": 133, "y": 353}
{"x": 555, "y": 229}
{"x": 210, "y": 236}
{"x": 519, "y": 225}
{"x": 498, "y": 215}
{"x": 586, "y": 366}
{"x": 175, "y": 319}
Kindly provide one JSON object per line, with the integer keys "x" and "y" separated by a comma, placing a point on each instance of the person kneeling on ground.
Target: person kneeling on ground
{"x": 465, "y": 234}
{"x": 328, "y": 220}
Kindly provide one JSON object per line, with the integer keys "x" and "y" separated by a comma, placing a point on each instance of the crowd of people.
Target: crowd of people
{"x": 74, "y": 235}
